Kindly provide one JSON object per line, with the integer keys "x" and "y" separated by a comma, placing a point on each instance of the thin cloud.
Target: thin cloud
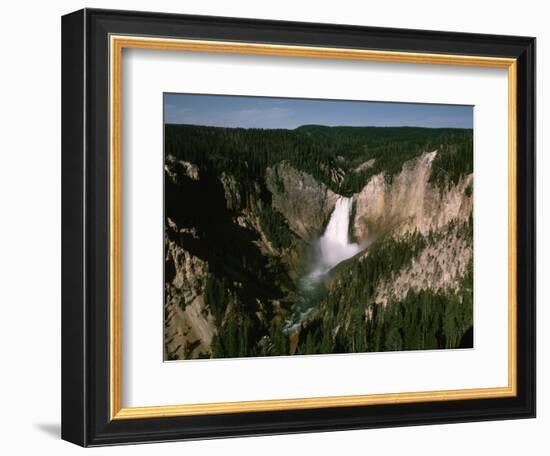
{"x": 262, "y": 112}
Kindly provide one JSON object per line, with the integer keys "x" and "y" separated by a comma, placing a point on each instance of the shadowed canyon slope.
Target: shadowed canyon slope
{"x": 304, "y": 202}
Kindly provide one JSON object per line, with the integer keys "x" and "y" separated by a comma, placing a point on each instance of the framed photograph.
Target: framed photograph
{"x": 279, "y": 227}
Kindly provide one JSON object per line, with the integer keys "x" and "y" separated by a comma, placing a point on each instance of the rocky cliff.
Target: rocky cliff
{"x": 304, "y": 202}
{"x": 410, "y": 202}
{"x": 418, "y": 245}
{"x": 241, "y": 236}
{"x": 189, "y": 324}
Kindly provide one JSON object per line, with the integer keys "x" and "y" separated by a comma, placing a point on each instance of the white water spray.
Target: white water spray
{"x": 334, "y": 245}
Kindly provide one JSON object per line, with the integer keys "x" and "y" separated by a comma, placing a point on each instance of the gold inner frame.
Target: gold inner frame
{"x": 117, "y": 44}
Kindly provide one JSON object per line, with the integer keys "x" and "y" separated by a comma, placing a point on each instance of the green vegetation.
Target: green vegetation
{"x": 215, "y": 296}
{"x": 453, "y": 161}
{"x": 422, "y": 320}
{"x": 237, "y": 335}
{"x": 318, "y": 150}
{"x": 249, "y": 290}
{"x": 275, "y": 227}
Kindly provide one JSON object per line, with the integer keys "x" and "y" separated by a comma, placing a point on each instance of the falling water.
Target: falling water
{"x": 333, "y": 248}
{"x": 334, "y": 245}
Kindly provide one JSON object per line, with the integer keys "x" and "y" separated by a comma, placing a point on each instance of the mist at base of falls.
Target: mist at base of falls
{"x": 331, "y": 249}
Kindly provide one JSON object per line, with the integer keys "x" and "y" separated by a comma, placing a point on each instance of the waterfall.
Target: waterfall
{"x": 334, "y": 245}
{"x": 333, "y": 248}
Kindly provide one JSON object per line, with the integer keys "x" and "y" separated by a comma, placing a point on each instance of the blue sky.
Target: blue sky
{"x": 260, "y": 112}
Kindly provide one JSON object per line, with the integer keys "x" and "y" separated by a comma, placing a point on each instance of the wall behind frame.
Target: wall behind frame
{"x": 30, "y": 231}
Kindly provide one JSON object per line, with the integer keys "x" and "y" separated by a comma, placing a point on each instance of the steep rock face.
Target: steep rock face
{"x": 243, "y": 240}
{"x": 414, "y": 212}
{"x": 247, "y": 210}
{"x": 365, "y": 165}
{"x": 231, "y": 190}
{"x": 409, "y": 202}
{"x": 189, "y": 327}
{"x": 438, "y": 267}
{"x": 305, "y": 203}
{"x": 189, "y": 169}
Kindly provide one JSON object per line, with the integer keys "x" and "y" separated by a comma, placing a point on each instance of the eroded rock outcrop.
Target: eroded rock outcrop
{"x": 305, "y": 203}
{"x": 438, "y": 267}
{"x": 409, "y": 202}
{"x": 189, "y": 327}
{"x": 173, "y": 166}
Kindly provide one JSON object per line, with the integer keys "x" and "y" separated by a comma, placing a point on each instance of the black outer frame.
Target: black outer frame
{"x": 85, "y": 227}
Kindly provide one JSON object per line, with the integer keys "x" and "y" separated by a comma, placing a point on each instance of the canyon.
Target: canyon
{"x": 290, "y": 262}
